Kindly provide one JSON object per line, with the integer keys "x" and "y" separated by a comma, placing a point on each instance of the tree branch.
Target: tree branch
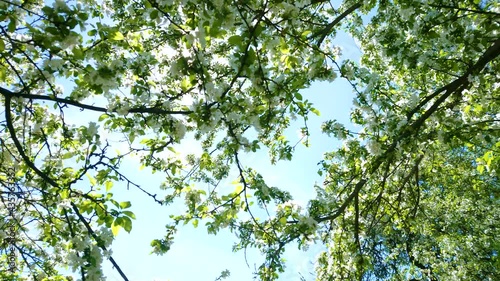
{"x": 323, "y": 33}
{"x": 490, "y": 54}
{"x": 154, "y": 110}
{"x": 346, "y": 203}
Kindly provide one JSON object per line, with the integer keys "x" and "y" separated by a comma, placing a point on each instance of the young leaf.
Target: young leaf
{"x": 117, "y": 36}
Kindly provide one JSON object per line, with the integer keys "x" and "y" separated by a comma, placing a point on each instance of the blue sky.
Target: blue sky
{"x": 195, "y": 255}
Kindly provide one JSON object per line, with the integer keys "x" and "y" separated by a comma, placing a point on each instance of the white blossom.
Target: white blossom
{"x": 65, "y": 204}
{"x": 92, "y": 129}
{"x": 122, "y": 109}
{"x": 180, "y": 129}
{"x": 374, "y": 147}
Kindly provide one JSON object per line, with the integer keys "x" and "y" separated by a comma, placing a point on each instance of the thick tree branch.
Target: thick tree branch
{"x": 153, "y": 110}
{"x": 328, "y": 29}
{"x": 346, "y": 203}
{"x": 490, "y": 54}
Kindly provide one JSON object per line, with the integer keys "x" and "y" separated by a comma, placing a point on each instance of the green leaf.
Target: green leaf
{"x": 258, "y": 29}
{"x": 2, "y": 45}
{"x": 108, "y": 185}
{"x": 12, "y": 25}
{"x": 64, "y": 194}
{"x": 67, "y": 155}
{"x": 117, "y": 36}
{"x": 83, "y": 16}
{"x": 92, "y": 180}
{"x": 154, "y": 14}
{"x": 480, "y": 169}
{"x": 315, "y": 111}
{"x": 306, "y": 32}
{"x": 127, "y": 224}
{"x": 52, "y": 30}
{"x": 125, "y": 204}
{"x": 78, "y": 53}
{"x": 103, "y": 117}
{"x": 114, "y": 202}
{"x": 129, "y": 214}
{"x": 186, "y": 84}
{"x": 115, "y": 227}
{"x": 235, "y": 40}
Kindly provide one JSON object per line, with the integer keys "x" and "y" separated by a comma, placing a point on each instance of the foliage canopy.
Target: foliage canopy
{"x": 414, "y": 195}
